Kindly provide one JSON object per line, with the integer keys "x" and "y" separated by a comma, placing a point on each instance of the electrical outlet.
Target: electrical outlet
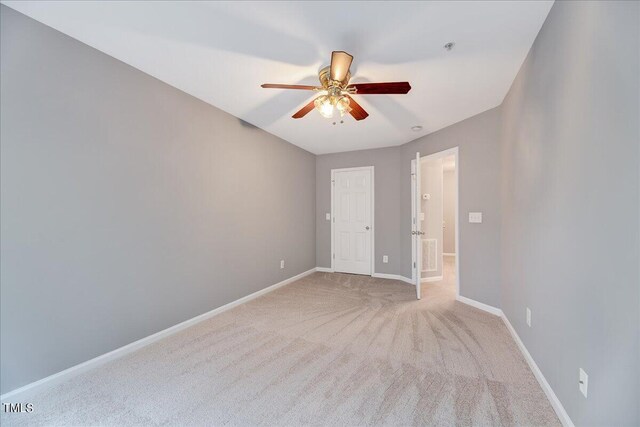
{"x": 583, "y": 382}
{"x": 282, "y": 263}
{"x": 528, "y": 317}
{"x": 385, "y": 259}
{"x": 327, "y": 216}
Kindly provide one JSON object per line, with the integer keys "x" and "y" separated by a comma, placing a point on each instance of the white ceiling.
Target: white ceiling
{"x": 221, "y": 52}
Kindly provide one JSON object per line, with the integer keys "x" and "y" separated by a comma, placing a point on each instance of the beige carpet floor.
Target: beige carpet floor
{"x": 330, "y": 349}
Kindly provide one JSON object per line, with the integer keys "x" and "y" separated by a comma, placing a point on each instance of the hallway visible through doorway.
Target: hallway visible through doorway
{"x": 446, "y": 285}
{"x": 438, "y": 207}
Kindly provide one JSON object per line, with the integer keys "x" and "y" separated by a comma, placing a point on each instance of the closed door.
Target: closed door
{"x": 353, "y": 227}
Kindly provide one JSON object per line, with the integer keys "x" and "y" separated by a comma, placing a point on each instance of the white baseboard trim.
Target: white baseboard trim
{"x": 480, "y": 305}
{"x": 448, "y": 254}
{"x": 548, "y": 391}
{"x": 553, "y": 399}
{"x": 393, "y": 277}
{"x": 431, "y": 279}
{"x": 73, "y": 371}
{"x": 324, "y": 269}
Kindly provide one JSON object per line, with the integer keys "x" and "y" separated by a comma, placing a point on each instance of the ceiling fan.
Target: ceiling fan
{"x": 336, "y": 91}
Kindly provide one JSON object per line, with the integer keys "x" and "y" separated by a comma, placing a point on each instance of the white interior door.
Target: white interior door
{"x": 353, "y": 225}
{"x": 416, "y": 230}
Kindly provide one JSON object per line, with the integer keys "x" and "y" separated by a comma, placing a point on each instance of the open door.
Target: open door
{"x": 416, "y": 231}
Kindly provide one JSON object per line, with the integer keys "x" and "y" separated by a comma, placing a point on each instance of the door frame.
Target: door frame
{"x": 440, "y": 154}
{"x": 373, "y": 222}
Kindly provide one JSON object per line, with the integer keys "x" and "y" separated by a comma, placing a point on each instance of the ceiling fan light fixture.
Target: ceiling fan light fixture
{"x": 343, "y": 106}
{"x": 324, "y": 106}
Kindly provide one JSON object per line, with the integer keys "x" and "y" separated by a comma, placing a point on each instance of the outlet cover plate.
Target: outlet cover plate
{"x": 475, "y": 217}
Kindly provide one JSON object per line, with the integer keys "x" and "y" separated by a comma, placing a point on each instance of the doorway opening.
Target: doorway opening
{"x": 435, "y": 217}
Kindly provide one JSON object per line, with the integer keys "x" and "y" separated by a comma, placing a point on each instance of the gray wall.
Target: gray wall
{"x": 124, "y": 209}
{"x": 386, "y": 163}
{"x": 478, "y": 139}
{"x": 478, "y": 142}
{"x": 449, "y": 181}
{"x": 571, "y": 208}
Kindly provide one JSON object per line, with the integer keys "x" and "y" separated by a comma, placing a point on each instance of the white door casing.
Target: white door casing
{"x": 416, "y": 232}
{"x": 352, "y": 220}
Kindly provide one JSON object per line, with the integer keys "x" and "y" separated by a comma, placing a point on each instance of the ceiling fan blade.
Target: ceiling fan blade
{"x": 304, "y": 110}
{"x": 390, "y": 88}
{"x": 357, "y": 111}
{"x": 278, "y": 86}
{"x": 340, "y": 63}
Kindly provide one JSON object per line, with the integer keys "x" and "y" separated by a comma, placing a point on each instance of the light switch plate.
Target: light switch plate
{"x": 528, "y": 317}
{"x": 385, "y": 259}
{"x": 584, "y": 382}
{"x": 475, "y": 217}
{"x": 421, "y": 216}
{"x": 281, "y": 263}
{"x": 327, "y": 216}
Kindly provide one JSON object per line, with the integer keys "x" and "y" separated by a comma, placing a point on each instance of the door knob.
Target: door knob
{"x": 367, "y": 227}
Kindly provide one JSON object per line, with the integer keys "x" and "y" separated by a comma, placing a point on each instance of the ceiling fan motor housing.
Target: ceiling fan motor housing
{"x": 325, "y": 79}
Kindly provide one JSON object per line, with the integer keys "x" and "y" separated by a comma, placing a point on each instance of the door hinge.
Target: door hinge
{"x": 334, "y": 256}
{"x": 414, "y": 265}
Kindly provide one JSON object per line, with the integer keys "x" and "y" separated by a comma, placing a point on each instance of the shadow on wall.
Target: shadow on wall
{"x": 247, "y": 125}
